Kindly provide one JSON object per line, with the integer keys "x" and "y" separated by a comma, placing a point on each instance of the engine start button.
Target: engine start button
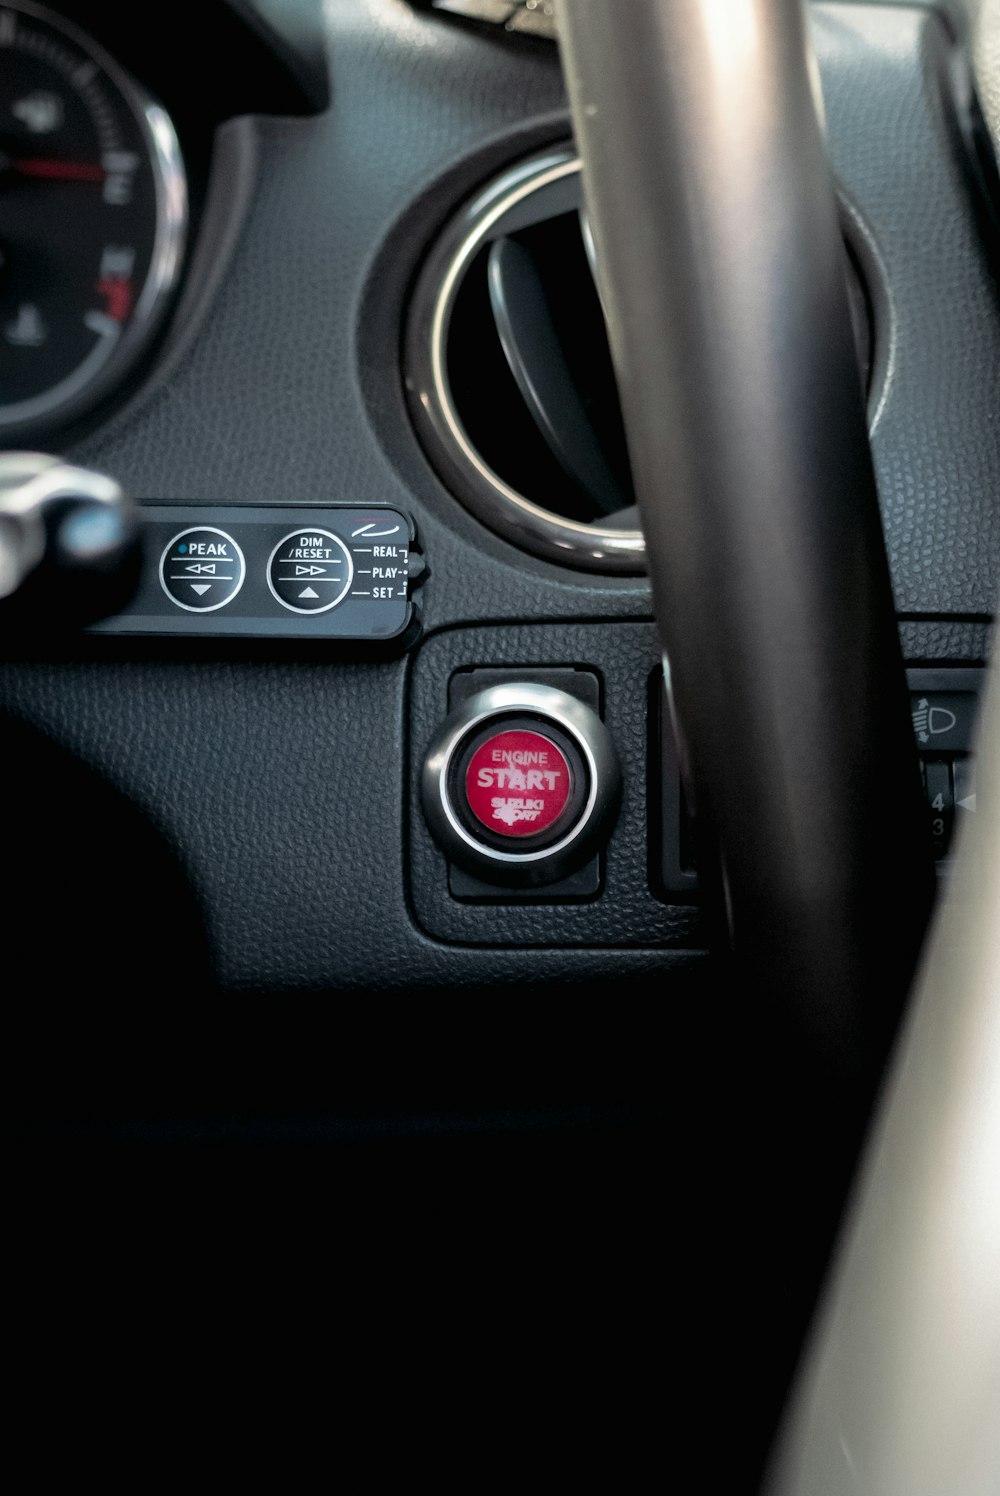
{"x": 518, "y": 783}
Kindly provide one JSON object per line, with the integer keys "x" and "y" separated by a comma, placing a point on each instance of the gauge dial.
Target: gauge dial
{"x": 93, "y": 212}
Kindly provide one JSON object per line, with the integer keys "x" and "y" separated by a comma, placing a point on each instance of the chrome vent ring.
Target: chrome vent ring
{"x": 508, "y": 374}
{"x": 545, "y": 188}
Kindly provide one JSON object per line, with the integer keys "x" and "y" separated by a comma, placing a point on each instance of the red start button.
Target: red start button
{"x": 518, "y": 783}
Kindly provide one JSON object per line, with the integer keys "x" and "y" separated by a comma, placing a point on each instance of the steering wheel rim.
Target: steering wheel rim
{"x": 714, "y": 218}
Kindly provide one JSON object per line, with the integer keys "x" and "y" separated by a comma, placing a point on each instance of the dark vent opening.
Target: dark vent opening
{"x": 501, "y": 425}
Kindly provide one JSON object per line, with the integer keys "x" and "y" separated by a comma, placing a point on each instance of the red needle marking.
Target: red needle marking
{"x": 59, "y": 171}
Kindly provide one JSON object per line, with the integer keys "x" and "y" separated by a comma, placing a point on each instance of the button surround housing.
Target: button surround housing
{"x": 577, "y": 731}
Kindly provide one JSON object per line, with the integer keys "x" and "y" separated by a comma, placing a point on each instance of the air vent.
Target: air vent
{"x": 509, "y": 374}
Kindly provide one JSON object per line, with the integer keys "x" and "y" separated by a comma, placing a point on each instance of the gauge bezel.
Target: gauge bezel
{"x": 77, "y": 394}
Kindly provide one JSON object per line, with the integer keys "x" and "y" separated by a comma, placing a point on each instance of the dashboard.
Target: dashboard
{"x": 298, "y": 277}
{"x": 357, "y": 815}
{"x": 349, "y": 289}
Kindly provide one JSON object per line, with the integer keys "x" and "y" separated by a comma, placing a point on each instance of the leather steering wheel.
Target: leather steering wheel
{"x": 721, "y": 268}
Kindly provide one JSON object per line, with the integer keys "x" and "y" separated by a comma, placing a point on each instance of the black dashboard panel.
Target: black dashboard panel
{"x": 289, "y": 392}
{"x": 887, "y": 77}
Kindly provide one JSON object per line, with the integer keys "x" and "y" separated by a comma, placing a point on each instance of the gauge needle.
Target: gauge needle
{"x": 53, "y": 170}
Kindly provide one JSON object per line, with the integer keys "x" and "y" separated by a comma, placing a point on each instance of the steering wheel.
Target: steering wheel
{"x": 720, "y": 261}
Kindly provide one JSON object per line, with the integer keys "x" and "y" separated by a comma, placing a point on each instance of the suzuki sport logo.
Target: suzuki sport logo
{"x": 518, "y": 783}
{"x": 511, "y": 811}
